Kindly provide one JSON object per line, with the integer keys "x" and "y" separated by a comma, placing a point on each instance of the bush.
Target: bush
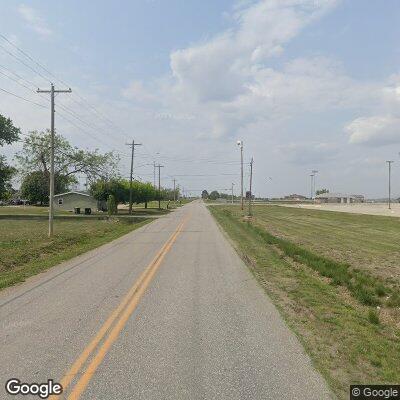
{"x": 111, "y": 205}
{"x": 373, "y": 317}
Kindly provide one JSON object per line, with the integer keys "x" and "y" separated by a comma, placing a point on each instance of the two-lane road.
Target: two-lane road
{"x": 168, "y": 311}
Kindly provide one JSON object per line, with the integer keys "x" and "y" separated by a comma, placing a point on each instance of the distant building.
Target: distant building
{"x": 339, "y": 198}
{"x": 70, "y": 200}
{"x": 295, "y": 197}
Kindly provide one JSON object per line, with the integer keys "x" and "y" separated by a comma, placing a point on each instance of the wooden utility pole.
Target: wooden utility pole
{"x": 133, "y": 144}
{"x": 52, "y": 92}
{"x": 159, "y": 184}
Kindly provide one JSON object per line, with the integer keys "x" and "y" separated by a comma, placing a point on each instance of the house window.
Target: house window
{"x": 60, "y": 201}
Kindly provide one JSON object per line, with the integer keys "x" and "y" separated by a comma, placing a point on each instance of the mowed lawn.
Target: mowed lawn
{"x": 25, "y": 248}
{"x": 367, "y": 242}
{"x": 31, "y": 210}
{"x": 321, "y": 269}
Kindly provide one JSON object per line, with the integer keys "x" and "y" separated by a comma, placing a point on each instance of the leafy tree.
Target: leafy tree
{"x": 143, "y": 192}
{"x": 214, "y": 195}
{"x": 118, "y": 188}
{"x": 321, "y": 191}
{"x": 6, "y": 173}
{"x": 168, "y": 194}
{"x": 35, "y": 186}
{"x": 204, "y": 194}
{"x": 8, "y": 132}
{"x": 68, "y": 160}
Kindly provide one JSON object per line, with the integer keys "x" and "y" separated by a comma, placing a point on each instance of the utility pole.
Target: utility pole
{"x": 251, "y": 181}
{"x": 159, "y": 166}
{"x": 390, "y": 172}
{"x": 240, "y": 143}
{"x": 314, "y": 171}
{"x": 311, "y": 186}
{"x": 174, "y": 190}
{"x": 133, "y": 144}
{"x": 52, "y": 92}
{"x": 232, "y": 191}
{"x": 154, "y": 173}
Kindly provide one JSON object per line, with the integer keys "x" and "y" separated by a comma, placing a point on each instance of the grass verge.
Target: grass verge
{"x": 25, "y": 249}
{"x": 348, "y": 341}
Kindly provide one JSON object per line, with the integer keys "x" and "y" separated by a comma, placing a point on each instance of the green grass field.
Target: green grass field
{"x": 320, "y": 269}
{"x": 31, "y": 210}
{"x": 25, "y": 249}
{"x": 152, "y": 208}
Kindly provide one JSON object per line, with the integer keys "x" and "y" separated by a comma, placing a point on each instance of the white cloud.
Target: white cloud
{"x": 222, "y": 68}
{"x": 34, "y": 20}
{"x": 374, "y": 131}
{"x": 137, "y": 92}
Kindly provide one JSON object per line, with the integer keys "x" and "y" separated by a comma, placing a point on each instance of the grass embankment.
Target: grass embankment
{"x": 310, "y": 264}
{"x": 25, "y": 249}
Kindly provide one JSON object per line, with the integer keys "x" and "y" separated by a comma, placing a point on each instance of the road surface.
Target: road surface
{"x": 168, "y": 311}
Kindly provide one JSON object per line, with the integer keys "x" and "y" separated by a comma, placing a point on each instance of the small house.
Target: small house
{"x": 70, "y": 201}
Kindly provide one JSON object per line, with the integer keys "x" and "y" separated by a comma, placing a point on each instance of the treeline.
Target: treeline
{"x": 214, "y": 195}
{"x": 116, "y": 191}
{"x": 32, "y": 167}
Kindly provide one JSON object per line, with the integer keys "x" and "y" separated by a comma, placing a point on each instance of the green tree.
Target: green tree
{"x": 35, "y": 186}
{"x": 204, "y": 194}
{"x": 68, "y": 160}
{"x": 214, "y": 195}
{"x": 143, "y": 192}
{"x": 118, "y": 188}
{"x": 8, "y": 134}
{"x": 112, "y": 206}
{"x": 6, "y": 174}
{"x": 321, "y": 191}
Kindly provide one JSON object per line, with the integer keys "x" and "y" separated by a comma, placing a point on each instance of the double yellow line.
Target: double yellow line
{"x": 123, "y": 312}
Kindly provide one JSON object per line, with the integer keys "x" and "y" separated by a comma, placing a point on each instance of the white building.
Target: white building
{"x": 339, "y": 198}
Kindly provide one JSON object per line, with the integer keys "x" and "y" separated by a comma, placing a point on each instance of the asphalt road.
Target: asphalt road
{"x": 166, "y": 312}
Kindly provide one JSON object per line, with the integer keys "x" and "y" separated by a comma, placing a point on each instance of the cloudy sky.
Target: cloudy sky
{"x": 306, "y": 84}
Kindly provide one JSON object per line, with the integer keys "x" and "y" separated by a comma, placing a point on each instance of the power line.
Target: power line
{"x": 32, "y": 59}
{"x": 24, "y": 63}
{"x": 23, "y": 98}
{"x": 90, "y": 107}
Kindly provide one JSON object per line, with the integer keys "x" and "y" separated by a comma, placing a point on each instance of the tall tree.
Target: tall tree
{"x": 214, "y": 195}
{"x": 102, "y": 189}
{"x": 8, "y": 134}
{"x": 143, "y": 192}
{"x": 6, "y": 174}
{"x": 35, "y": 186}
{"x": 68, "y": 160}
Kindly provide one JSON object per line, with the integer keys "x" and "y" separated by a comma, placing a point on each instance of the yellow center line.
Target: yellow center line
{"x": 126, "y": 308}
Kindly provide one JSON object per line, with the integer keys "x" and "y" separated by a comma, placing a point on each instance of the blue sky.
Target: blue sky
{"x": 307, "y": 84}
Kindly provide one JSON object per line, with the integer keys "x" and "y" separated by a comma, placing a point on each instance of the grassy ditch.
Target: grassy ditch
{"x": 25, "y": 249}
{"x": 330, "y": 305}
{"x": 368, "y": 290}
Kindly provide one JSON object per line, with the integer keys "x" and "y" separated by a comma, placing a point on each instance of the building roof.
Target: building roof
{"x": 336, "y": 195}
{"x": 73, "y": 192}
